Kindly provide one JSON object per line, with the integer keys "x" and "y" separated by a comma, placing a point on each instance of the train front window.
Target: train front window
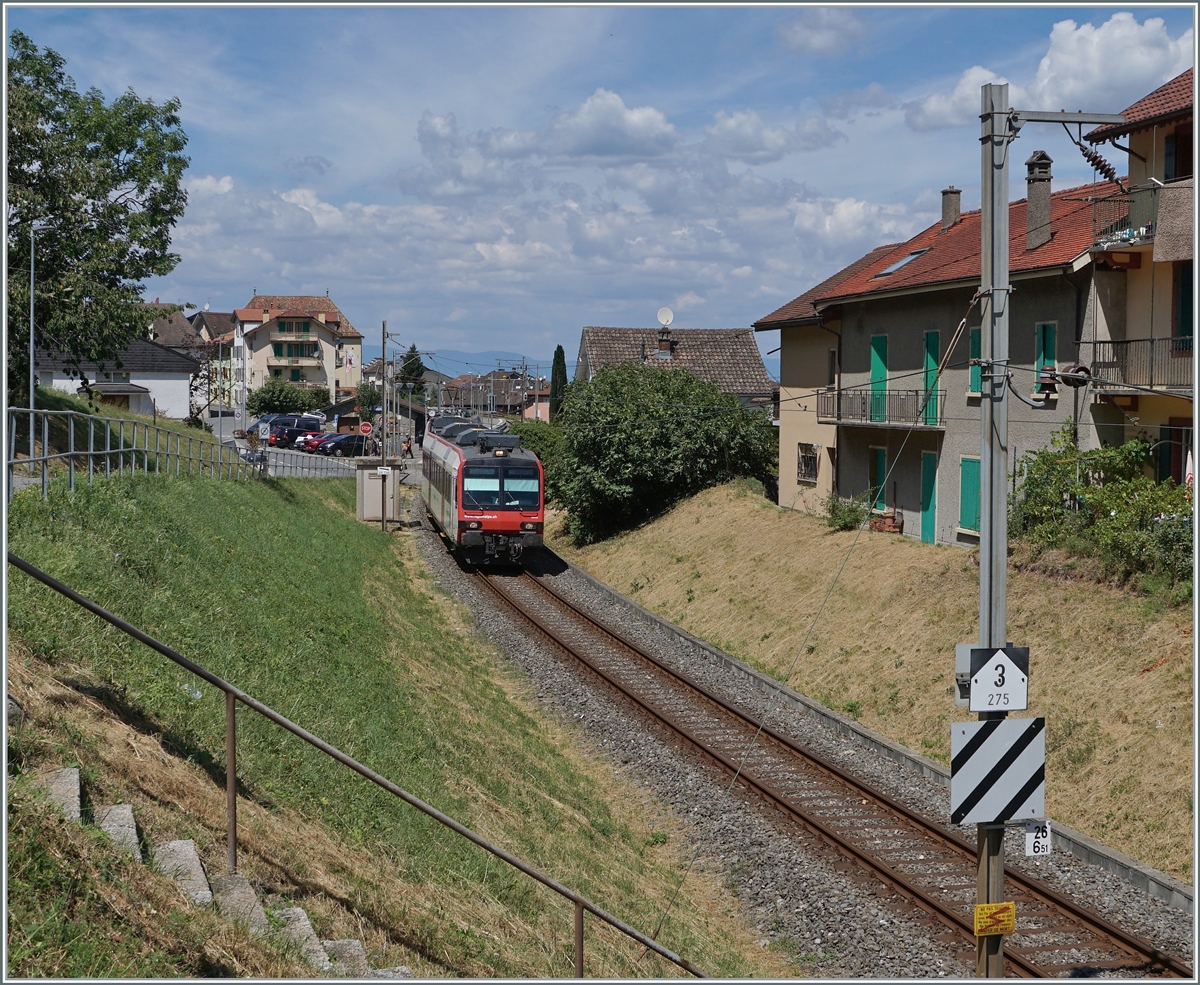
{"x": 521, "y": 489}
{"x": 481, "y": 488}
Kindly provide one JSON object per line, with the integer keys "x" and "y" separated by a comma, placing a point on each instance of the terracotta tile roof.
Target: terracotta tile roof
{"x": 302, "y": 306}
{"x": 1174, "y": 99}
{"x": 728, "y": 357}
{"x": 801, "y": 309}
{"x": 953, "y": 254}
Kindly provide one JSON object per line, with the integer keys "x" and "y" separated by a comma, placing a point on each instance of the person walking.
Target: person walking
{"x": 407, "y": 448}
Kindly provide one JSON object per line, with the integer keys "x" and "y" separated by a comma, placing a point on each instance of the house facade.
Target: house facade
{"x": 1102, "y": 277}
{"x": 726, "y": 357}
{"x": 303, "y": 339}
{"x": 1140, "y": 344}
{"x": 144, "y": 377}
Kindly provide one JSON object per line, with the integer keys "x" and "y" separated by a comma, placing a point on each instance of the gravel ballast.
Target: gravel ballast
{"x": 802, "y": 895}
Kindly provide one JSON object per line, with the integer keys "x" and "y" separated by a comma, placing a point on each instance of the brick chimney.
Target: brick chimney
{"x": 1037, "y": 205}
{"x": 951, "y": 206}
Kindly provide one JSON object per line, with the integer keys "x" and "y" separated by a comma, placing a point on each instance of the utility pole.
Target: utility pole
{"x": 1000, "y": 126}
{"x": 383, "y": 378}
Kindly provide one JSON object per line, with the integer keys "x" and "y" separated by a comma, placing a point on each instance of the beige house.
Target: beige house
{"x": 302, "y": 339}
{"x": 1140, "y": 341}
{"x": 808, "y": 365}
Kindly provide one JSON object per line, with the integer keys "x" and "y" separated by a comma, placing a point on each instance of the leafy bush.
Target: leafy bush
{"x": 278, "y": 396}
{"x": 847, "y": 514}
{"x": 544, "y": 440}
{"x": 636, "y": 439}
{"x": 1101, "y": 503}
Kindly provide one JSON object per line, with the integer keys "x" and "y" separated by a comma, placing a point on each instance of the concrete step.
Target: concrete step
{"x": 180, "y": 861}
{"x": 297, "y": 929}
{"x": 237, "y": 901}
{"x": 349, "y": 958}
{"x": 118, "y": 823}
{"x": 62, "y": 790}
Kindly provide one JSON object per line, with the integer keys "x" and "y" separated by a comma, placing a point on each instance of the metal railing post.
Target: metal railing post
{"x": 578, "y": 939}
{"x": 231, "y": 780}
{"x": 91, "y": 448}
{"x": 45, "y": 461}
{"x": 133, "y": 451}
{"x": 121, "y": 450}
{"x": 189, "y": 454}
{"x": 71, "y": 451}
{"x": 107, "y": 448}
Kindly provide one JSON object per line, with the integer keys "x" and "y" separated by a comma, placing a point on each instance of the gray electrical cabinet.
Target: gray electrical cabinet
{"x": 377, "y": 490}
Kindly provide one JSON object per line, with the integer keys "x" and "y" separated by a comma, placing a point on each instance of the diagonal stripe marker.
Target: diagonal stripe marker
{"x": 997, "y": 770}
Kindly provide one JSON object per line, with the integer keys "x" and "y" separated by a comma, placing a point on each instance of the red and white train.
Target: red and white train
{"x": 483, "y": 490}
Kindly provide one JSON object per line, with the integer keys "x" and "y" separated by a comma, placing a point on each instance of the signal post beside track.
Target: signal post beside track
{"x": 999, "y": 766}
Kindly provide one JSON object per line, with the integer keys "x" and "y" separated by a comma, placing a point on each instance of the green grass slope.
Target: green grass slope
{"x": 275, "y": 587}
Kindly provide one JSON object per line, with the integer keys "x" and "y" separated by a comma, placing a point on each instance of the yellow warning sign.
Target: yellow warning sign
{"x": 995, "y": 918}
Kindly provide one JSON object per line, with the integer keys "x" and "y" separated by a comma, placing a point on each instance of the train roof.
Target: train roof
{"x": 478, "y": 446}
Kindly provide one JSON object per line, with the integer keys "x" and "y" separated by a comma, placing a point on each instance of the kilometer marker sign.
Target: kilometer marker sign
{"x": 1000, "y": 679}
{"x": 995, "y": 918}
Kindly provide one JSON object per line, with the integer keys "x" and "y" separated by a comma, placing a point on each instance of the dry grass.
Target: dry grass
{"x": 1112, "y": 676}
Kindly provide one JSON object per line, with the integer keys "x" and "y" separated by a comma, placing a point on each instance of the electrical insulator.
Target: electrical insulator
{"x": 1093, "y": 158}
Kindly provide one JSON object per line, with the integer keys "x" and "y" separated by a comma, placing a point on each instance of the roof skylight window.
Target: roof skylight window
{"x": 902, "y": 262}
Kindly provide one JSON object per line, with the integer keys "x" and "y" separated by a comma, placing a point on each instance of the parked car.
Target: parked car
{"x": 346, "y": 446}
{"x": 288, "y": 437}
{"x": 308, "y": 442}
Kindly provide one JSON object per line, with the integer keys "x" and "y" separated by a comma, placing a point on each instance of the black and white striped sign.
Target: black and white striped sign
{"x": 997, "y": 770}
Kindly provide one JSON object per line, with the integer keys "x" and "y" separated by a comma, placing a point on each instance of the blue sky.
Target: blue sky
{"x": 495, "y": 178}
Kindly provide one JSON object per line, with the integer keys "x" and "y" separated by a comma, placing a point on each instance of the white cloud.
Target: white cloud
{"x": 742, "y": 136}
{"x": 1109, "y": 67}
{"x": 689, "y": 299}
{"x": 959, "y": 106}
{"x": 1103, "y": 69}
{"x": 823, "y": 31}
{"x": 847, "y": 105}
{"x": 209, "y": 185}
{"x": 605, "y": 127}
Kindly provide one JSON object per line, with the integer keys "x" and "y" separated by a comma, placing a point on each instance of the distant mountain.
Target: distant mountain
{"x": 454, "y": 362}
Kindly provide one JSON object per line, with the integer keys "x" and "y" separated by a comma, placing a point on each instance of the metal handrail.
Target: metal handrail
{"x": 234, "y": 694}
{"x": 862, "y": 405}
{"x": 125, "y": 452}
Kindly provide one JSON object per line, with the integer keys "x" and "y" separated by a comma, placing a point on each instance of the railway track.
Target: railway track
{"x": 929, "y": 866}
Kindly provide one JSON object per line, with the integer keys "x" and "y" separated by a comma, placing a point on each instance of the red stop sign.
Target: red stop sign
{"x": 365, "y": 427}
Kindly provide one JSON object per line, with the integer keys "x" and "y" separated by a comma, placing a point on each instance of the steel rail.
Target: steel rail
{"x": 1085, "y": 920}
{"x": 1035, "y": 887}
{"x": 581, "y": 902}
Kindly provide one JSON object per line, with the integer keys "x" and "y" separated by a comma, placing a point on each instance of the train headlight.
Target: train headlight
{"x": 529, "y": 526}
{"x": 473, "y": 525}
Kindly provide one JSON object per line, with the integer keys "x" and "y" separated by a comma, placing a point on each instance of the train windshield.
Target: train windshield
{"x": 521, "y": 489}
{"x": 504, "y": 489}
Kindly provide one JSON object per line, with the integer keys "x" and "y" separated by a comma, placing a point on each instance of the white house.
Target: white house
{"x": 144, "y": 378}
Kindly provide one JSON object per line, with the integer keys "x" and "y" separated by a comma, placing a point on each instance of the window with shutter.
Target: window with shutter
{"x": 975, "y": 386}
{"x": 968, "y": 494}
{"x": 1045, "y": 348}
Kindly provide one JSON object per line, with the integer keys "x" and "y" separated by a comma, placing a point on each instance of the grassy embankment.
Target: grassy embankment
{"x": 275, "y": 586}
{"x": 1111, "y": 672}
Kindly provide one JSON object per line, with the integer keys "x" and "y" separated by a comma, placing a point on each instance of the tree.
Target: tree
{"x": 278, "y": 396}
{"x": 412, "y": 370}
{"x": 369, "y": 396}
{"x": 636, "y": 439}
{"x": 558, "y": 381}
{"x": 105, "y": 182}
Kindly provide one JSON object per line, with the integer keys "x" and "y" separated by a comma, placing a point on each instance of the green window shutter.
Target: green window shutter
{"x": 879, "y": 374}
{"x": 968, "y": 494}
{"x": 976, "y": 383}
{"x": 1184, "y": 277}
{"x": 1044, "y": 341}
{"x": 878, "y": 472}
{"x": 295, "y": 376}
{"x": 278, "y": 347}
{"x": 306, "y": 326}
{"x": 932, "y": 351}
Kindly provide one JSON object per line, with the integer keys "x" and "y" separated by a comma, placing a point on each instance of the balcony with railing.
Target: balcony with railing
{"x": 882, "y": 408}
{"x": 303, "y": 361}
{"x": 1157, "y": 363}
{"x": 1126, "y": 220}
{"x": 299, "y": 335}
